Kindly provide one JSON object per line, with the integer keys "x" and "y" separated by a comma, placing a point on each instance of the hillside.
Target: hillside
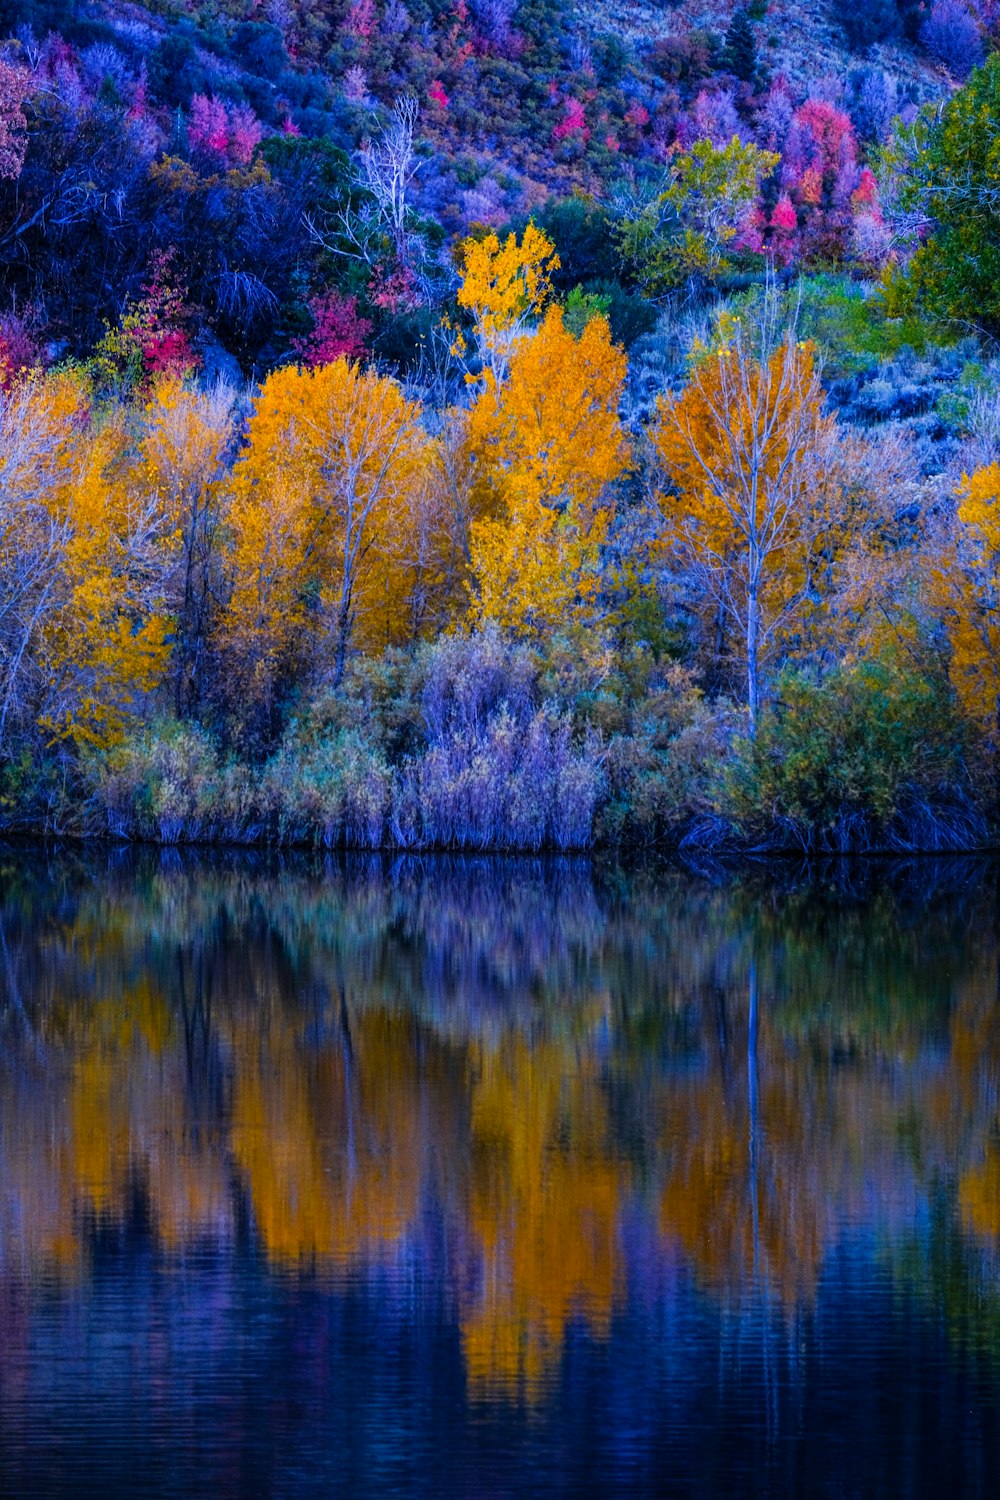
{"x": 227, "y": 136}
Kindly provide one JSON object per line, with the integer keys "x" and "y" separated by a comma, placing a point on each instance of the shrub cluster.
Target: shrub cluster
{"x": 470, "y": 743}
{"x": 466, "y": 746}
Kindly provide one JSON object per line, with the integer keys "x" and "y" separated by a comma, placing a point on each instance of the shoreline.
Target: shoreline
{"x": 677, "y": 850}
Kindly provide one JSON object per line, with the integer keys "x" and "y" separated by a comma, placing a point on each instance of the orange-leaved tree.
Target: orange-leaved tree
{"x": 82, "y": 633}
{"x": 506, "y": 287}
{"x": 966, "y": 580}
{"x": 40, "y": 435}
{"x": 747, "y": 513}
{"x": 326, "y": 496}
{"x": 106, "y": 643}
{"x": 547, "y": 444}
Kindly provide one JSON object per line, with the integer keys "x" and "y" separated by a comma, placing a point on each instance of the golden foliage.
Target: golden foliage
{"x": 326, "y": 511}
{"x": 547, "y": 444}
{"x": 82, "y": 630}
{"x": 506, "y": 287}
{"x": 746, "y": 503}
{"x": 966, "y": 580}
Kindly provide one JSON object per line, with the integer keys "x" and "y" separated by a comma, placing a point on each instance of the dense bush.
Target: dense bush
{"x": 952, "y": 35}
{"x": 840, "y": 759}
{"x": 869, "y": 21}
{"x": 470, "y": 743}
{"x": 955, "y": 272}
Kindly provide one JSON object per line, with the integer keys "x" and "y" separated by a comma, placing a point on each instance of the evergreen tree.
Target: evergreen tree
{"x": 740, "y": 53}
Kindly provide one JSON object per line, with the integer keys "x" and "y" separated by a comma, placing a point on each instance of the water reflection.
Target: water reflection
{"x": 554, "y": 1120}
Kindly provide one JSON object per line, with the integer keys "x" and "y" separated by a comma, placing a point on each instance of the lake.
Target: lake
{"x": 473, "y": 1178}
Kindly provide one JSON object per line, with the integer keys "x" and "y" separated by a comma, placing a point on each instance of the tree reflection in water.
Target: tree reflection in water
{"x": 549, "y": 1088}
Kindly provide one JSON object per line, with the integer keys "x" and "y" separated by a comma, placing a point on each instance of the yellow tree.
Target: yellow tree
{"x": 106, "y": 645}
{"x": 452, "y": 487}
{"x": 747, "y": 514}
{"x": 506, "y": 287}
{"x": 547, "y": 444}
{"x": 81, "y": 635}
{"x": 39, "y": 454}
{"x": 322, "y": 521}
{"x": 966, "y": 581}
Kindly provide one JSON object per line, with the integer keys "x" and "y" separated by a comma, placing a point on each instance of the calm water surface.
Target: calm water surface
{"x": 473, "y": 1179}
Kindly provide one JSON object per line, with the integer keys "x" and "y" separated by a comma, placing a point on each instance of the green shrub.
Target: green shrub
{"x": 852, "y": 325}
{"x": 164, "y": 784}
{"x": 837, "y": 758}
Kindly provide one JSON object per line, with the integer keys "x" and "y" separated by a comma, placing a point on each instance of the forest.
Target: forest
{"x": 485, "y": 426}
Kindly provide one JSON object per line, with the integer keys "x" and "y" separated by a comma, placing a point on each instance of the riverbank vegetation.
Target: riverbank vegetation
{"x": 668, "y": 516}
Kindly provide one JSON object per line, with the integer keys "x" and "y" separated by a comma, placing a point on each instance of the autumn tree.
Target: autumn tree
{"x": 106, "y": 645}
{"x": 83, "y": 634}
{"x": 505, "y": 286}
{"x": 37, "y": 467}
{"x": 965, "y": 580}
{"x": 321, "y": 522}
{"x": 683, "y": 232}
{"x": 547, "y": 443}
{"x": 151, "y": 337}
{"x": 745, "y": 513}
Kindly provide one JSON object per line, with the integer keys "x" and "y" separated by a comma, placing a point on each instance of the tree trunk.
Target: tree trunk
{"x": 343, "y": 635}
{"x": 753, "y": 652}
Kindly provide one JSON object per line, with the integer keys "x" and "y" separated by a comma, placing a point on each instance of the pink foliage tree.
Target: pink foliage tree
{"x": 395, "y": 290}
{"x": 15, "y": 86}
{"x": 208, "y": 127}
{"x": 161, "y": 319}
{"x": 338, "y": 330}
{"x": 362, "y": 19}
{"x": 784, "y": 225}
{"x": 573, "y": 123}
{"x": 245, "y": 133}
{"x": 18, "y": 348}
{"x": 225, "y": 137}
{"x": 819, "y": 174}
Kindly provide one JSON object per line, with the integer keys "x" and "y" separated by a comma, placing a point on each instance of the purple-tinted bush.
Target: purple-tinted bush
{"x": 513, "y": 785}
{"x": 466, "y": 679}
{"x": 871, "y": 103}
{"x": 472, "y": 742}
{"x": 952, "y": 35}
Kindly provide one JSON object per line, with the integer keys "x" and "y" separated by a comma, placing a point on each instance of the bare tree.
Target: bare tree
{"x": 386, "y": 167}
{"x": 389, "y": 164}
{"x": 746, "y": 451}
{"x": 34, "y": 531}
{"x": 175, "y": 519}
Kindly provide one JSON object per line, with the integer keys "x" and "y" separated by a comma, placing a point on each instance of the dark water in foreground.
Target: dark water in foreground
{"x": 467, "y": 1179}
